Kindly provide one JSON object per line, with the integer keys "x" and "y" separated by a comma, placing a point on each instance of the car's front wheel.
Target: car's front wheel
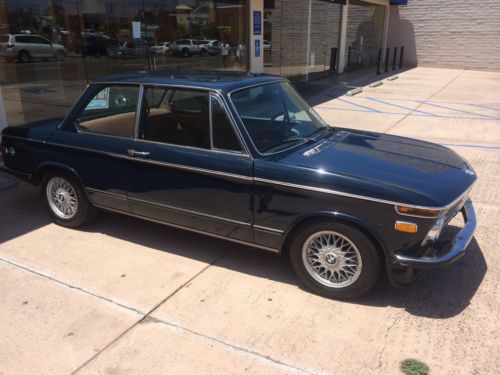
{"x": 66, "y": 201}
{"x": 335, "y": 260}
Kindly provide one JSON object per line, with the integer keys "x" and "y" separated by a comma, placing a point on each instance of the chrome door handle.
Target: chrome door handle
{"x": 137, "y": 154}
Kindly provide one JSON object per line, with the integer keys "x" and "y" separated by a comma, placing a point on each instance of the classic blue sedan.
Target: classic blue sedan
{"x": 245, "y": 158}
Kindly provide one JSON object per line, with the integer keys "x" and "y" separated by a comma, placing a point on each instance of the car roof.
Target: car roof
{"x": 203, "y": 79}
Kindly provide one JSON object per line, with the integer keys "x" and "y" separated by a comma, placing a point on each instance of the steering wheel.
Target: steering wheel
{"x": 274, "y": 117}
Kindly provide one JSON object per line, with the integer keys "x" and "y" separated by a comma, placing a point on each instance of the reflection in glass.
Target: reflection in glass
{"x": 88, "y": 39}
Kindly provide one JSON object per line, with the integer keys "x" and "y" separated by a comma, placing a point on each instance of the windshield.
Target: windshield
{"x": 276, "y": 117}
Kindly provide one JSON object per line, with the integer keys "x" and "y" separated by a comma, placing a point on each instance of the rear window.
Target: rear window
{"x": 4, "y": 38}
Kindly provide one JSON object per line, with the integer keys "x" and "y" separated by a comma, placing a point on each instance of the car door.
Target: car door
{"x": 43, "y": 47}
{"x": 94, "y": 141}
{"x": 189, "y": 167}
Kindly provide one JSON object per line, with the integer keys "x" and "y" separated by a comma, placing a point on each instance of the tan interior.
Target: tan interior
{"x": 121, "y": 124}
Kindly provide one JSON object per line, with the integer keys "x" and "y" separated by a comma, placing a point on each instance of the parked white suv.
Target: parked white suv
{"x": 25, "y": 47}
{"x": 188, "y": 47}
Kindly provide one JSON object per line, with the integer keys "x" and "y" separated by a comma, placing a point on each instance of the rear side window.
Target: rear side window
{"x": 23, "y": 39}
{"x": 39, "y": 40}
{"x": 175, "y": 116}
{"x": 223, "y": 135}
{"x": 111, "y": 111}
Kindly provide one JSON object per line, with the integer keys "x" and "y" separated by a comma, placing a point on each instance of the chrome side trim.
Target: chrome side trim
{"x": 138, "y": 110}
{"x": 192, "y": 148}
{"x": 22, "y": 138}
{"x": 165, "y": 164}
{"x": 193, "y": 169}
{"x": 267, "y": 229}
{"x": 173, "y": 208}
{"x": 273, "y": 250}
{"x": 116, "y": 195}
{"x": 355, "y": 196}
{"x": 183, "y": 210}
{"x": 120, "y": 156}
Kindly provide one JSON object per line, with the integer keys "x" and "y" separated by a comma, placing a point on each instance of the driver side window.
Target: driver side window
{"x": 111, "y": 111}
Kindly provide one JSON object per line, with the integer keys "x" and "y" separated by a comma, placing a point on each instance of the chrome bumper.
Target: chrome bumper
{"x": 456, "y": 248}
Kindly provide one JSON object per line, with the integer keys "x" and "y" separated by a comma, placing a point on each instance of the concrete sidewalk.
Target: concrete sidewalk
{"x": 128, "y": 296}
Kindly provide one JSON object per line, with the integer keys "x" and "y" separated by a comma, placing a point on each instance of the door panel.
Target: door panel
{"x": 194, "y": 188}
{"x": 99, "y": 160}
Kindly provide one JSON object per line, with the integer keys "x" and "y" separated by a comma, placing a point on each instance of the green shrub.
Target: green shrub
{"x": 414, "y": 367}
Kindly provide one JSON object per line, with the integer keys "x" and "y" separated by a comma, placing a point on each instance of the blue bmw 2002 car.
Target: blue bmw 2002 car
{"x": 245, "y": 158}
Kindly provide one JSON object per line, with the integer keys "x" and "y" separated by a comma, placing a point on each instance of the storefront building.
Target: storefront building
{"x": 50, "y": 49}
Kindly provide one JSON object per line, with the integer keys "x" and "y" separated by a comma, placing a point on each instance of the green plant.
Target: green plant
{"x": 414, "y": 367}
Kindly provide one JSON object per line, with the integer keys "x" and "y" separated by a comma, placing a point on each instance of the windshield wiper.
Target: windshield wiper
{"x": 289, "y": 140}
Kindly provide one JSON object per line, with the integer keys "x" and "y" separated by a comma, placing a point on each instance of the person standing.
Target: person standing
{"x": 241, "y": 52}
{"x": 225, "y": 53}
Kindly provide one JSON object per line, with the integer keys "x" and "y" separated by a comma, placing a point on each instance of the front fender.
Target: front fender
{"x": 339, "y": 217}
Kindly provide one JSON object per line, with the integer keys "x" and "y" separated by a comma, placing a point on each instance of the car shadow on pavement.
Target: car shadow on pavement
{"x": 440, "y": 294}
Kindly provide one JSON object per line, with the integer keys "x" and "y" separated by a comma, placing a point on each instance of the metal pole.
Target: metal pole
{"x": 379, "y": 58}
{"x": 401, "y": 56}
{"x": 394, "y": 58}
{"x": 348, "y": 57}
{"x": 387, "y": 60}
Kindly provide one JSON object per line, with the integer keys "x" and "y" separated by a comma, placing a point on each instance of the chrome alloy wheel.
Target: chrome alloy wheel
{"x": 62, "y": 198}
{"x": 332, "y": 259}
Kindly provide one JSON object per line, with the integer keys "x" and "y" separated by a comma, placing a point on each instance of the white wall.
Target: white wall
{"x": 460, "y": 34}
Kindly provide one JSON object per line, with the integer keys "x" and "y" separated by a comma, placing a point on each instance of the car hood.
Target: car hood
{"x": 384, "y": 166}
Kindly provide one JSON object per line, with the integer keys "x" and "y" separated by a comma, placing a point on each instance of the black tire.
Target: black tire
{"x": 369, "y": 271}
{"x": 186, "y": 53}
{"x": 60, "y": 56}
{"x": 23, "y": 56}
{"x": 85, "y": 212}
{"x": 203, "y": 52}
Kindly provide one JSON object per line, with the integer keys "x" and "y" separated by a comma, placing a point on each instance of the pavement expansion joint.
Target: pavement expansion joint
{"x": 68, "y": 285}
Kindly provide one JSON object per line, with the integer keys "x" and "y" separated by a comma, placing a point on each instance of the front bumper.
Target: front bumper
{"x": 452, "y": 252}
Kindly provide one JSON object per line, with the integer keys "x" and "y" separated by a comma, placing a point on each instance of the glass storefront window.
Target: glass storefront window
{"x": 49, "y": 50}
{"x": 300, "y": 37}
{"x": 365, "y": 26}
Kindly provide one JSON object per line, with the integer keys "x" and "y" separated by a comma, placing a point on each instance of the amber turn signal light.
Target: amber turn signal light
{"x": 418, "y": 212}
{"x": 404, "y": 226}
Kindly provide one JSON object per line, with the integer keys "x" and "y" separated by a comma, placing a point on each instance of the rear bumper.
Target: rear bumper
{"x": 452, "y": 252}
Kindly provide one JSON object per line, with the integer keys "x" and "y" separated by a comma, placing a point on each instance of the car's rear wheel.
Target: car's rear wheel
{"x": 66, "y": 201}
{"x": 335, "y": 260}
{"x": 23, "y": 56}
{"x": 185, "y": 52}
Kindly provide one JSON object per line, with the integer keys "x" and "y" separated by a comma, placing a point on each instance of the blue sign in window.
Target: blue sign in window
{"x": 257, "y": 48}
{"x": 257, "y": 22}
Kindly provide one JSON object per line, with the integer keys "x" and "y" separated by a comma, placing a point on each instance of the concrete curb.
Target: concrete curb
{"x": 376, "y": 84}
{"x": 354, "y": 91}
{"x": 392, "y": 78}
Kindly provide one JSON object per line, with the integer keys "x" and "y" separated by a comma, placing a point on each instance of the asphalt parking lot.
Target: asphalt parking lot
{"x": 126, "y": 296}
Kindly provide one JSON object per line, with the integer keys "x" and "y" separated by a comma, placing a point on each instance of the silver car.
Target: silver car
{"x": 24, "y": 47}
